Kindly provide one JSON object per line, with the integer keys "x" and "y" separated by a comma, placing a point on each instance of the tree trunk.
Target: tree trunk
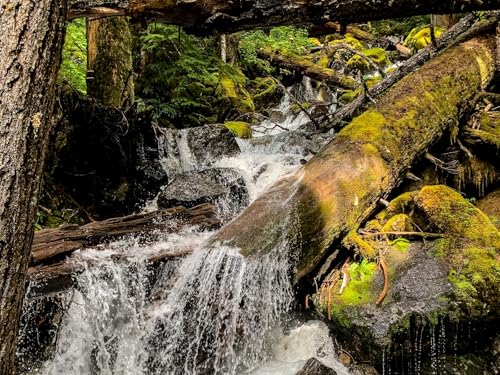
{"x": 339, "y": 188}
{"x": 109, "y": 61}
{"x": 30, "y": 53}
{"x": 231, "y": 16}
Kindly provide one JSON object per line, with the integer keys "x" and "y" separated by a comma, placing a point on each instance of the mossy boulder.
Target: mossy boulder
{"x": 452, "y": 279}
{"x": 234, "y": 90}
{"x": 420, "y": 37}
{"x": 240, "y": 129}
{"x": 377, "y": 55}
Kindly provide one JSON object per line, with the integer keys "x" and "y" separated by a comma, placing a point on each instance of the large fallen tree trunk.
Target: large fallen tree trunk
{"x": 230, "y": 16}
{"x": 339, "y": 188}
{"x": 50, "y": 245}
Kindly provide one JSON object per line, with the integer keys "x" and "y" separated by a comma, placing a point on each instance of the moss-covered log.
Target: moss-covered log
{"x": 483, "y": 134}
{"x": 231, "y": 16}
{"x": 109, "y": 61}
{"x": 339, "y": 188}
{"x": 307, "y": 67}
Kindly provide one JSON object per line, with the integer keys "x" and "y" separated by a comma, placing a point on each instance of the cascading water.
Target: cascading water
{"x": 213, "y": 312}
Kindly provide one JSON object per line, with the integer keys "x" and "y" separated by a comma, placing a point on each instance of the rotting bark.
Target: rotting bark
{"x": 30, "y": 54}
{"x": 231, "y": 16}
{"x": 109, "y": 61}
{"x": 340, "y": 187}
{"x": 52, "y": 243}
{"x": 308, "y": 68}
{"x": 468, "y": 26}
{"x": 482, "y": 134}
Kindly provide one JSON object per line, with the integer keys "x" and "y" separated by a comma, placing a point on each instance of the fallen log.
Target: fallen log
{"x": 54, "y": 243}
{"x": 308, "y": 68}
{"x": 468, "y": 26}
{"x": 312, "y": 209}
{"x": 231, "y": 16}
{"x": 482, "y": 134}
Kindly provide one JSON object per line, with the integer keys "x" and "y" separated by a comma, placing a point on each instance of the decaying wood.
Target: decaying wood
{"x": 469, "y": 25}
{"x": 308, "y": 68}
{"x": 336, "y": 27}
{"x": 482, "y": 134}
{"x": 51, "y": 243}
{"x": 308, "y": 211}
{"x": 230, "y": 16}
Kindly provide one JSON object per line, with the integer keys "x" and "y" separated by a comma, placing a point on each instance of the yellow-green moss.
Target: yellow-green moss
{"x": 350, "y": 41}
{"x": 401, "y": 244}
{"x": 349, "y": 95}
{"x": 401, "y": 204}
{"x": 398, "y": 223}
{"x": 420, "y": 37}
{"x": 447, "y": 210}
{"x": 373, "y": 80}
{"x": 358, "y": 290}
{"x": 265, "y": 87}
{"x": 354, "y": 242}
{"x": 376, "y": 55}
{"x": 237, "y": 94}
{"x": 240, "y": 129}
{"x": 296, "y": 108}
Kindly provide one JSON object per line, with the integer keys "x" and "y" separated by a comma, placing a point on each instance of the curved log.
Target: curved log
{"x": 230, "y": 16}
{"x": 340, "y": 187}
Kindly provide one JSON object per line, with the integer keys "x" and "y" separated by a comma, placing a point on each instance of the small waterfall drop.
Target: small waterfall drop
{"x": 211, "y": 312}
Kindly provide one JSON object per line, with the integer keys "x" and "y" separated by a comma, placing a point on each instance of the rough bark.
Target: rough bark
{"x": 30, "y": 50}
{"x": 308, "y": 68}
{"x": 109, "y": 61}
{"x": 230, "y": 16}
{"x": 339, "y": 188}
{"x": 51, "y": 243}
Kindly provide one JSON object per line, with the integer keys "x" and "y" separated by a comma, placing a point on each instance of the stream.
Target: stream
{"x": 212, "y": 312}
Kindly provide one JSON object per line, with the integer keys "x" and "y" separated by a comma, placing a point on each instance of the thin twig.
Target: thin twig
{"x": 386, "y": 281}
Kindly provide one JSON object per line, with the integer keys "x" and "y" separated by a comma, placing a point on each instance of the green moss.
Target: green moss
{"x": 350, "y": 41}
{"x": 349, "y": 95}
{"x": 266, "y": 87}
{"x": 373, "y": 80}
{"x": 238, "y": 95}
{"x": 447, "y": 210}
{"x": 401, "y": 244}
{"x": 354, "y": 242}
{"x": 240, "y": 129}
{"x": 376, "y": 55}
{"x": 358, "y": 290}
{"x": 398, "y": 223}
{"x": 403, "y": 203}
{"x": 296, "y": 108}
{"x": 420, "y": 37}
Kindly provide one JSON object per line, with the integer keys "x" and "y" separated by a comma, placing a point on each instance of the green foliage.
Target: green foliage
{"x": 74, "y": 57}
{"x": 180, "y": 77}
{"x": 401, "y": 26}
{"x": 284, "y": 39}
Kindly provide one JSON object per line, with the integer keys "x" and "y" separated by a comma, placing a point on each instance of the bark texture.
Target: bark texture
{"x": 340, "y": 187}
{"x": 109, "y": 61}
{"x": 30, "y": 50}
{"x": 230, "y": 16}
{"x": 52, "y": 243}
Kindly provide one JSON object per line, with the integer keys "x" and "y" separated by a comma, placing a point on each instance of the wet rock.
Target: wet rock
{"x": 434, "y": 286}
{"x": 195, "y": 148}
{"x": 219, "y": 185}
{"x": 315, "y": 367}
{"x": 362, "y": 369}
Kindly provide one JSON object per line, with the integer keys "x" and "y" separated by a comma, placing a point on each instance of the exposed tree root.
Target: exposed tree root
{"x": 383, "y": 266}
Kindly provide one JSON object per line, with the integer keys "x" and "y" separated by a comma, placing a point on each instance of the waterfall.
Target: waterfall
{"x": 212, "y": 312}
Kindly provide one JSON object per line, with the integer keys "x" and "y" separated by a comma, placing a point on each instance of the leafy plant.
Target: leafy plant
{"x": 74, "y": 57}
